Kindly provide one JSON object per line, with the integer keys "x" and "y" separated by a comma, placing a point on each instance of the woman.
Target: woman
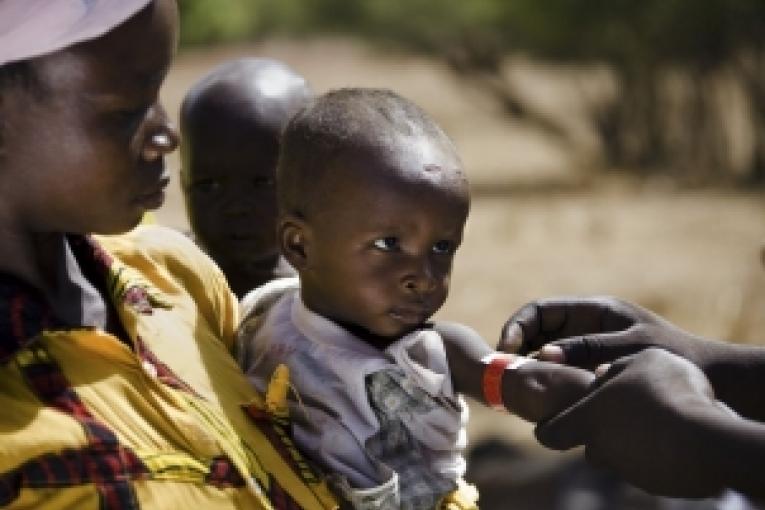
{"x": 117, "y": 385}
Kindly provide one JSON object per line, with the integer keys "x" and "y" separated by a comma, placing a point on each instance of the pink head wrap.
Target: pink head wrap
{"x": 30, "y": 28}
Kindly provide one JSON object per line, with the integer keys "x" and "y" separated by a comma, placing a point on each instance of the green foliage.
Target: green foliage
{"x": 210, "y": 21}
{"x": 640, "y": 41}
{"x": 615, "y": 31}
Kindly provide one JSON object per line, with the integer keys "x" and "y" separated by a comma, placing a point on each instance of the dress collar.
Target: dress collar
{"x": 25, "y": 312}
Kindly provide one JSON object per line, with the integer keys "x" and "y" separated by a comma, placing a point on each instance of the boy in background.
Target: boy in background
{"x": 231, "y": 122}
{"x": 372, "y": 205}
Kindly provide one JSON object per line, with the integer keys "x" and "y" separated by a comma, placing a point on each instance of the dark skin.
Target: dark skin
{"x": 89, "y": 157}
{"x": 384, "y": 272}
{"x": 231, "y": 122}
{"x": 674, "y": 413}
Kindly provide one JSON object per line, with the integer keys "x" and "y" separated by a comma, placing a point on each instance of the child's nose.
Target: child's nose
{"x": 421, "y": 279}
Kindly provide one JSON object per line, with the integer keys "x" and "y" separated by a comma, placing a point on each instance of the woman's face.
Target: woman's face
{"x": 84, "y": 146}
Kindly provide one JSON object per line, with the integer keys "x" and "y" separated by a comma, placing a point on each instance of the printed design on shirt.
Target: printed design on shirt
{"x": 395, "y": 401}
{"x": 102, "y": 461}
{"x": 129, "y": 287}
{"x": 271, "y": 416}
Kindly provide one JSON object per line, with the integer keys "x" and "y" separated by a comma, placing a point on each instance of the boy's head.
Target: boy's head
{"x": 82, "y": 134}
{"x": 373, "y": 201}
{"x": 231, "y": 121}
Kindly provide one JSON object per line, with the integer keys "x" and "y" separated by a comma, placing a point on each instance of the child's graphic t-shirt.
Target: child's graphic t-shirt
{"x": 386, "y": 424}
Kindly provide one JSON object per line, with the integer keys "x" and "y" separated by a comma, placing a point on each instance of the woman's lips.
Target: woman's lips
{"x": 153, "y": 199}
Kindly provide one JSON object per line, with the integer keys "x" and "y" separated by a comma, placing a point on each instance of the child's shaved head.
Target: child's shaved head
{"x": 256, "y": 92}
{"x": 232, "y": 121}
{"x": 376, "y": 123}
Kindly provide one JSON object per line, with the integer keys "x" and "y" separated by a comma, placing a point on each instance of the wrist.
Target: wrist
{"x": 733, "y": 450}
{"x": 496, "y": 365}
{"x": 737, "y": 375}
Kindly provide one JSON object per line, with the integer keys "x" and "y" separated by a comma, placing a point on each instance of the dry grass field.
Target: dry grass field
{"x": 540, "y": 224}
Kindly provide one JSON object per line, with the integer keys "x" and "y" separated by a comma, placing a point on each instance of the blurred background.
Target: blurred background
{"x": 613, "y": 147}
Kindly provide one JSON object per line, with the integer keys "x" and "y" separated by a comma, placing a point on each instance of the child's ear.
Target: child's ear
{"x": 294, "y": 235}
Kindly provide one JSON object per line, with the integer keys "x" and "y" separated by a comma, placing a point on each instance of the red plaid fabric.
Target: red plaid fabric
{"x": 23, "y": 314}
{"x": 108, "y": 467}
{"x": 280, "y": 499}
{"x": 164, "y": 373}
{"x": 103, "y": 462}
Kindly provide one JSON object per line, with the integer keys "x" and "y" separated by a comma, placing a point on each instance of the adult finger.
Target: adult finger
{"x": 519, "y": 329}
{"x": 567, "y": 429}
{"x": 538, "y": 322}
{"x": 590, "y": 351}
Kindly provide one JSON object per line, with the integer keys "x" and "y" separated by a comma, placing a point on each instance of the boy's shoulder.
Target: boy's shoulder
{"x": 260, "y": 299}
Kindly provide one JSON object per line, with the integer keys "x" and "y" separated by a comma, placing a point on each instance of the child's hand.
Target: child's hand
{"x": 534, "y": 391}
{"x": 538, "y": 390}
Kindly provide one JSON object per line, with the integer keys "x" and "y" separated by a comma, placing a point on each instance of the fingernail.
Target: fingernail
{"x": 513, "y": 337}
{"x": 551, "y": 353}
{"x": 602, "y": 369}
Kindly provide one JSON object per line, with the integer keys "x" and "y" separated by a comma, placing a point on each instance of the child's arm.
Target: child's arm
{"x": 534, "y": 391}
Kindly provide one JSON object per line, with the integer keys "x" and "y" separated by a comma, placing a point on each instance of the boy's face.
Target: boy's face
{"x": 84, "y": 148}
{"x": 379, "y": 250}
{"x": 228, "y": 186}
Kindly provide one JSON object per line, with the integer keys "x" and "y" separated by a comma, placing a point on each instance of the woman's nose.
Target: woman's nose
{"x": 162, "y": 138}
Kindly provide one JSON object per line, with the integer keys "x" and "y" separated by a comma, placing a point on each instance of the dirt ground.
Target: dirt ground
{"x": 535, "y": 229}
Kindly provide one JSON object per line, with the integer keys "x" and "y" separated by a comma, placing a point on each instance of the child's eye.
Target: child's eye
{"x": 389, "y": 243}
{"x": 206, "y": 185}
{"x": 263, "y": 181}
{"x": 443, "y": 247}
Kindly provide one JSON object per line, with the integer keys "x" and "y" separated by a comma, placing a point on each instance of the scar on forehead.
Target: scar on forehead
{"x": 433, "y": 168}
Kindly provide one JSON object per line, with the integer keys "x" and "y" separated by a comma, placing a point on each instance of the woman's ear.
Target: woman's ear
{"x": 294, "y": 236}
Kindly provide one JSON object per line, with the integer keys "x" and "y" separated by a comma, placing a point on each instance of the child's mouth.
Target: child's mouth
{"x": 409, "y": 316}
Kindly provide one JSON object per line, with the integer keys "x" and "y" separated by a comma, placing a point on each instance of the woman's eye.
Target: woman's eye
{"x": 206, "y": 185}
{"x": 443, "y": 247}
{"x": 131, "y": 114}
{"x": 386, "y": 243}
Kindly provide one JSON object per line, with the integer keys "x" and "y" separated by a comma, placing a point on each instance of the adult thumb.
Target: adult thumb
{"x": 565, "y": 430}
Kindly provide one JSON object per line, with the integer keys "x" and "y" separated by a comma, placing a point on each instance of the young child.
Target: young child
{"x": 372, "y": 205}
{"x": 231, "y": 121}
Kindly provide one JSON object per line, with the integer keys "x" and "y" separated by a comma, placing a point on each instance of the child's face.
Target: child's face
{"x": 83, "y": 151}
{"x": 379, "y": 252}
{"x": 229, "y": 167}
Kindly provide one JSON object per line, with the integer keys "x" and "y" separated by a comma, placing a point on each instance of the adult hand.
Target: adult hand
{"x": 587, "y": 332}
{"x": 653, "y": 419}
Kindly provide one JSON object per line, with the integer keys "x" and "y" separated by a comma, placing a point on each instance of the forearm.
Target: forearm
{"x": 737, "y": 374}
{"x": 534, "y": 391}
{"x": 734, "y": 451}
